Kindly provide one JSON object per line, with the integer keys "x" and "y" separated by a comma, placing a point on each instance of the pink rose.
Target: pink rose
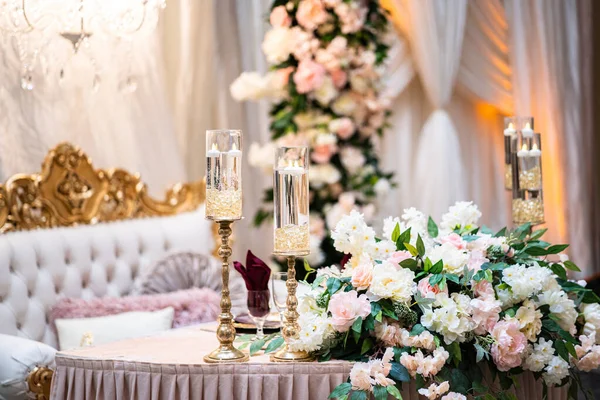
{"x": 455, "y": 240}
{"x": 362, "y": 276}
{"x": 280, "y": 17}
{"x": 343, "y": 127}
{"x": 309, "y": 76}
{"x": 339, "y": 78}
{"x": 399, "y": 256}
{"x": 322, "y": 153}
{"x": 486, "y": 313}
{"x": 427, "y": 290}
{"x": 311, "y": 14}
{"x": 346, "y": 307}
{"x": 509, "y": 346}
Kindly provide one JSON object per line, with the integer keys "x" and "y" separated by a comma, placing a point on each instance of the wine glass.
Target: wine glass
{"x": 258, "y": 308}
{"x": 278, "y": 280}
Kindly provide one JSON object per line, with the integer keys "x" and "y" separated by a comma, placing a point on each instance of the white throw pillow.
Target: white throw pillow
{"x": 100, "y": 330}
{"x": 19, "y": 356}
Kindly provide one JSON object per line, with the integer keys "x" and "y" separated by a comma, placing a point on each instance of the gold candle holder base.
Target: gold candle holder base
{"x": 225, "y": 353}
{"x": 291, "y": 328}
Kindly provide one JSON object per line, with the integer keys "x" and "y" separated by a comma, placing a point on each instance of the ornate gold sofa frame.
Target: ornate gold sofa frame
{"x": 68, "y": 192}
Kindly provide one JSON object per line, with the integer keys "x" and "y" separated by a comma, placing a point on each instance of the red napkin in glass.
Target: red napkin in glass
{"x": 256, "y": 273}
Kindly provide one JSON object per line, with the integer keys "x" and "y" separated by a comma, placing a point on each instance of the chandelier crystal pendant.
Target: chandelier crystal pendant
{"x": 49, "y": 36}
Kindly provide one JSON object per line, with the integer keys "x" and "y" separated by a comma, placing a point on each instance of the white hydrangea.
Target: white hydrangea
{"x": 556, "y": 371}
{"x": 562, "y": 307}
{"x": 381, "y": 250}
{"x": 393, "y": 283}
{"x": 352, "y": 235}
{"x": 314, "y": 329}
{"x": 539, "y": 355}
{"x": 530, "y": 320}
{"x": 450, "y": 316}
{"x": 464, "y": 214}
{"x": 332, "y": 271}
{"x": 591, "y": 314}
{"x": 525, "y": 281}
{"x": 454, "y": 259}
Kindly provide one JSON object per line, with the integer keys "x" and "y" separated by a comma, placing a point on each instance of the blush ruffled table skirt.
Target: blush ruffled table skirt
{"x": 170, "y": 366}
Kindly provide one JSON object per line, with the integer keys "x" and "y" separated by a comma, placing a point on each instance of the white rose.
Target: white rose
{"x": 323, "y": 174}
{"x": 278, "y": 44}
{"x": 326, "y": 92}
{"x": 454, "y": 259}
{"x": 253, "y": 86}
{"x": 352, "y": 159}
{"x": 344, "y": 105}
{"x": 382, "y": 186}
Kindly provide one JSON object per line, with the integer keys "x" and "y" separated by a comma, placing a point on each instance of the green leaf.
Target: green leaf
{"x": 274, "y": 344}
{"x": 459, "y": 382}
{"x": 538, "y": 234}
{"x": 453, "y": 278}
{"x": 571, "y": 266}
{"x": 437, "y": 268}
{"x": 380, "y": 392}
{"x": 393, "y": 390}
{"x": 366, "y": 346}
{"x": 417, "y": 330}
{"x": 435, "y": 279}
{"x": 557, "y": 248}
{"x": 358, "y": 395}
{"x": 481, "y": 353}
{"x": 399, "y": 373}
{"x": 454, "y": 350}
{"x": 340, "y": 390}
{"x": 571, "y": 349}
{"x": 256, "y": 346}
{"x": 420, "y": 246}
{"x": 357, "y": 325}
{"x": 427, "y": 264}
{"x": 409, "y": 263}
{"x": 333, "y": 285}
{"x": 559, "y": 271}
{"x": 317, "y": 282}
{"x": 375, "y": 308}
{"x": 536, "y": 251}
{"x": 413, "y": 251}
{"x": 404, "y": 237}
{"x": 432, "y": 228}
{"x": 379, "y": 316}
{"x": 396, "y": 233}
{"x": 501, "y": 232}
{"x": 561, "y": 349}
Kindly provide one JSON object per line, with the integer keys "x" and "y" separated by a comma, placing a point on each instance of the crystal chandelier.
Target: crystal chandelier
{"x": 49, "y": 36}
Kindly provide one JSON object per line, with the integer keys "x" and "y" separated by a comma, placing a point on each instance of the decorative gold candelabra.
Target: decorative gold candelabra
{"x": 224, "y": 205}
{"x": 291, "y": 232}
{"x": 226, "y": 331}
{"x": 291, "y": 329}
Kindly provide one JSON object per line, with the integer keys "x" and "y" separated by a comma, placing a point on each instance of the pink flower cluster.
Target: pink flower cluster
{"x": 391, "y": 334}
{"x": 426, "y": 366}
{"x": 364, "y": 375}
{"x": 510, "y": 344}
{"x": 588, "y": 353}
{"x": 486, "y": 308}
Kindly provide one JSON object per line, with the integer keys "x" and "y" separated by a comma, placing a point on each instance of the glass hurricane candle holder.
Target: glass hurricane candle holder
{"x": 292, "y": 237}
{"x": 224, "y": 175}
{"x": 510, "y": 130}
{"x": 527, "y": 203}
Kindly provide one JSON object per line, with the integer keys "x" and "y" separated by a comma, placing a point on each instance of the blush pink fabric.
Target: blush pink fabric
{"x": 191, "y": 306}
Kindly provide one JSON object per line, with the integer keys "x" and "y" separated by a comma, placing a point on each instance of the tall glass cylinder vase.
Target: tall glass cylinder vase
{"x": 527, "y": 203}
{"x": 510, "y": 130}
{"x": 224, "y": 175}
{"x": 291, "y": 199}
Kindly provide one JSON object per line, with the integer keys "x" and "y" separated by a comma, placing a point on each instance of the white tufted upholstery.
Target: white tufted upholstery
{"x": 39, "y": 267}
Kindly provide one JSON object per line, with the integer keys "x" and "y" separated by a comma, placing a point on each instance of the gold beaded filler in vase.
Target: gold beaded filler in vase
{"x": 224, "y": 204}
{"x": 530, "y": 179}
{"x": 508, "y": 176}
{"x": 292, "y": 239}
{"x": 528, "y": 210}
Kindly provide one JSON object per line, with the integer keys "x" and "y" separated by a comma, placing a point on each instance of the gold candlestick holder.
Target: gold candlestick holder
{"x": 226, "y": 352}
{"x": 291, "y": 329}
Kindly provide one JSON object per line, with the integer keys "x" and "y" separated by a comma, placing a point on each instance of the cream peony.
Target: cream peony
{"x": 311, "y": 14}
{"x": 345, "y": 104}
{"x": 277, "y": 44}
{"x": 352, "y": 159}
{"x": 279, "y": 17}
{"x": 346, "y": 307}
{"x": 326, "y": 92}
{"x": 393, "y": 283}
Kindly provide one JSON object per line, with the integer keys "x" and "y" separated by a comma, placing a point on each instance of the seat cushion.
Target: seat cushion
{"x": 37, "y": 268}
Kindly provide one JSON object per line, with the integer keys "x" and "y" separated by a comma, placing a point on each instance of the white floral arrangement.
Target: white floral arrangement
{"x": 327, "y": 60}
{"x": 455, "y": 307}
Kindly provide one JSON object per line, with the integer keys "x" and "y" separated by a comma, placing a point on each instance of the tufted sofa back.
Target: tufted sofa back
{"x": 41, "y": 266}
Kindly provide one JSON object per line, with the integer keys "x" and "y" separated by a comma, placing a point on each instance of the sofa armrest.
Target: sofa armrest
{"x": 25, "y": 368}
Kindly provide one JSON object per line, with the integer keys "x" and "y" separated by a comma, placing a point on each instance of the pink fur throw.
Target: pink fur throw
{"x": 191, "y": 306}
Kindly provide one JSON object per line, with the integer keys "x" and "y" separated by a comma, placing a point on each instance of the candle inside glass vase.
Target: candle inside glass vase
{"x": 224, "y": 175}
{"x": 527, "y": 203}
{"x": 292, "y": 236}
